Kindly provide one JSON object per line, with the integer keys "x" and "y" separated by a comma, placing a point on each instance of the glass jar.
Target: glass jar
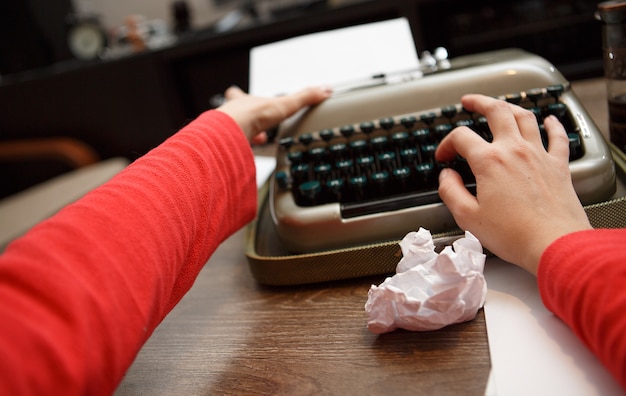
{"x": 612, "y": 15}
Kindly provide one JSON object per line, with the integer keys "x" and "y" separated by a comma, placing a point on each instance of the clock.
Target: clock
{"x": 86, "y": 40}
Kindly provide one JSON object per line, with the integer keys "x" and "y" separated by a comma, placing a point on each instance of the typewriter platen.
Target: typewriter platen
{"x": 358, "y": 168}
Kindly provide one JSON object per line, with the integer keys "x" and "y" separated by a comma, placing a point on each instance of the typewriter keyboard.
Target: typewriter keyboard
{"x": 388, "y": 164}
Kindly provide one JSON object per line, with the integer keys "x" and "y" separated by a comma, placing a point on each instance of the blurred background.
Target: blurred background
{"x": 120, "y": 76}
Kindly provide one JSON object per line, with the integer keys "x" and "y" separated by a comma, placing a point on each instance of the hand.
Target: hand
{"x": 525, "y": 198}
{"x": 255, "y": 114}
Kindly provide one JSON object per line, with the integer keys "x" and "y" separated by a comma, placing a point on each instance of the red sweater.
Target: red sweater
{"x": 81, "y": 292}
{"x": 582, "y": 279}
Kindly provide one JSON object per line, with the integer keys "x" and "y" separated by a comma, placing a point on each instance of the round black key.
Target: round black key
{"x": 305, "y": 138}
{"x": 481, "y": 122}
{"x": 514, "y": 98}
{"x": 408, "y": 122}
{"x": 338, "y": 150}
{"x": 428, "y": 118}
{"x": 295, "y": 157}
{"x": 402, "y": 173}
{"x": 425, "y": 171}
{"x": 380, "y": 182}
{"x": 401, "y": 177}
{"x": 555, "y": 91}
{"x": 322, "y": 171}
{"x": 282, "y": 179}
{"x": 286, "y": 142}
{"x": 557, "y": 109}
{"x": 534, "y": 94}
{"x": 310, "y": 190}
{"x": 448, "y": 111}
{"x": 299, "y": 171}
{"x": 346, "y": 130}
{"x": 317, "y": 153}
{"x": 326, "y": 134}
{"x": 387, "y": 123}
{"x": 428, "y": 152}
{"x": 408, "y": 155}
{"x": 335, "y": 188}
{"x": 358, "y": 146}
{"x": 421, "y": 135}
{"x": 358, "y": 181}
{"x": 466, "y": 123}
{"x": 399, "y": 139}
{"x": 575, "y": 146}
{"x": 365, "y": 163}
{"x": 358, "y": 184}
{"x": 344, "y": 166}
{"x": 442, "y": 130}
{"x": 367, "y": 127}
{"x": 379, "y": 142}
{"x": 387, "y": 158}
{"x": 380, "y": 178}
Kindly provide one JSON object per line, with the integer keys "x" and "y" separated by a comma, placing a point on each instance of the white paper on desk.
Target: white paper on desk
{"x": 333, "y": 57}
{"x": 264, "y": 167}
{"x": 532, "y": 351}
{"x": 430, "y": 290}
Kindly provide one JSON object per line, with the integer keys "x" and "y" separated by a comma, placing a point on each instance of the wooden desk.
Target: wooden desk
{"x": 230, "y": 335}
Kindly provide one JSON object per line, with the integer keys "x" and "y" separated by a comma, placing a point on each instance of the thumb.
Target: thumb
{"x": 455, "y": 195}
{"x": 233, "y": 92}
{"x": 291, "y": 103}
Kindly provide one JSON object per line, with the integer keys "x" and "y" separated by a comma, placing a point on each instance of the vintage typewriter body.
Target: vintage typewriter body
{"x": 358, "y": 169}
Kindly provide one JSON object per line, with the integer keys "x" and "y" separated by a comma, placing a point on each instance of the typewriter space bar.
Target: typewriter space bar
{"x": 388, "y": 204}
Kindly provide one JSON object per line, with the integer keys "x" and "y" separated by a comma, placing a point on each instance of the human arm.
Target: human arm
{"x": 82, "y": 291}
{"x": 582, "y": 280}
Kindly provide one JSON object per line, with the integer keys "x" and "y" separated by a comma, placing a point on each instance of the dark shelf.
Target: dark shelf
{"x": 126, "y": 106}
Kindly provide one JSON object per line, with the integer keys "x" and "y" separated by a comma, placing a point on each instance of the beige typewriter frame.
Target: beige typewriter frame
{"x": 514, "y": 70}
{"x": 271, "y": 265}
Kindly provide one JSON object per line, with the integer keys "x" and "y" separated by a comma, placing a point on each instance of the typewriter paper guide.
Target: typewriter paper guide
{"x": 334, "y": 57}
{"x": 490, "y": 73}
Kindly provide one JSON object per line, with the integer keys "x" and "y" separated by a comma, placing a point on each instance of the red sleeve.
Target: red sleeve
{"x": 81, "y": 292}
{"x": 582, "y": 279}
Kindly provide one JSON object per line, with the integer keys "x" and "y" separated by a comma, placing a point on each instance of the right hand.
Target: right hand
{"x": 525, "y": 198}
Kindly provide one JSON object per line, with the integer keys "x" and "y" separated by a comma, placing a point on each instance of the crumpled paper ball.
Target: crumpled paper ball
{"x": 430, "y": 290}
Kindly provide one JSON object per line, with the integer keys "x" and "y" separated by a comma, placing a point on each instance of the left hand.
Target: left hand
{"x": 256, "y": 114}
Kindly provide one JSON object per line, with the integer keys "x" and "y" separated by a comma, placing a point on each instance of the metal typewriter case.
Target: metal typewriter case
{"x": 318, "y": 228}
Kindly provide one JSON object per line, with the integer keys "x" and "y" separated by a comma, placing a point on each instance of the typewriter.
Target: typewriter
{"x": 359, "y": 169}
